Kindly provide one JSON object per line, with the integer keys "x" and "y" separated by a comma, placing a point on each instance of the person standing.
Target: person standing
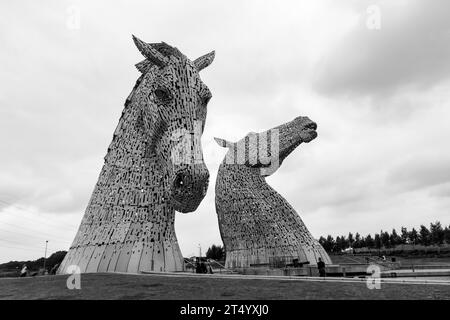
{"x": 321, "y": 267}
{"x": 23, "y": 272}
{"x": 54, "y": 269}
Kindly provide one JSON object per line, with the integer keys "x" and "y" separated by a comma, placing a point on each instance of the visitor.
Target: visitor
{"x": 321, "y": 267}
{"x": 54, "y": 269}
{"x": 198, "y": 267}
{"x": 24, "y": 271}
{"x": 203, "y": 267}
{"x": 210, "y": 271}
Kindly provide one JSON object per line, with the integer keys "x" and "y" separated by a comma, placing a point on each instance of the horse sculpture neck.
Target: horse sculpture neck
{"x": 129, "y": 211}
{"x": 133, "y": 166}
{"x": 131, "y": 148}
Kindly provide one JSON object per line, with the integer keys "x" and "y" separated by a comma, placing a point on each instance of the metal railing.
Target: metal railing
{"x": 212, "y": 263}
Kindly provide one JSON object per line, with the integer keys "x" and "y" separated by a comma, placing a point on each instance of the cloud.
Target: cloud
{"x": 411, "y": 49}
{"x": 422, "y": 171}
{"x": 441, "y": 191}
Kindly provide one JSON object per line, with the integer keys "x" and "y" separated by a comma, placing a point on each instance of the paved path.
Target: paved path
{"x": 394, "y": 280}
{"x": 294, "y": 278}
{"x": 422, "y": 273}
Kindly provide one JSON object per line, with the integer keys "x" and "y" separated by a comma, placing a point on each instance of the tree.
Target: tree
{"x": 338, "y": 244}
{"x": 404, "y": 235}
{"x": 357, "y": 243}
{"x": 370, "y": 243}
{"x": 345, "y": 242}
{"x": 323, "y": 243}
{"x": 350, "y": 239}
{"x": 215, "y": 252}
{"x": 394, "y": 238}
{"x": 341, "y": 243}
{"x": 413, "y": 236}
{"x": 377, "y": 241}
{"x": 385, "y": 239}
{"x": 51, "y": 261}
{"x": 328, "y": 243}
{"x": 436, "y": 233}
{"x": 447, "y": 234}
{"x": 363, "y": 242}
{"x": 331, "y": 243}
{"x": 424, "y": 236}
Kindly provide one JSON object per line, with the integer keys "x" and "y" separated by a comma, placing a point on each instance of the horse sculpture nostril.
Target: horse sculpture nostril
{"x": 179, "y": 180}
{"x": 190, "y": 179}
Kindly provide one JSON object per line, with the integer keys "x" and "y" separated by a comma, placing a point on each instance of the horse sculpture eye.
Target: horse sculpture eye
{"x": 162, "y": 95}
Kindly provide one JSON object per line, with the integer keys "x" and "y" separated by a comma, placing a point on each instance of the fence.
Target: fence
{"x": 285, "y": 261}
{"x": 406, "y": 248}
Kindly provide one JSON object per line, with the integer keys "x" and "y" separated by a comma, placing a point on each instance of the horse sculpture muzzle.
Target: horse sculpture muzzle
{"x": 189, "y": 186}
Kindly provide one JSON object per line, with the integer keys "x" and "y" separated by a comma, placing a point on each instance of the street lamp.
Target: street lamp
{"x": 45, "y": 255}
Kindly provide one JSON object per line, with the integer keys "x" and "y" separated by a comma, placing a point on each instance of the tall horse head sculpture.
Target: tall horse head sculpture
{"x": 154, "y": 167}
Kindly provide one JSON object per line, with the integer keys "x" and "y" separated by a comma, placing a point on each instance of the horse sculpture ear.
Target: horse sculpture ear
{"x": 144, "y": 66}
{"x": 150, "y": 53}
{"x": 204, "y": 61}
{"x": 223, "y": 143}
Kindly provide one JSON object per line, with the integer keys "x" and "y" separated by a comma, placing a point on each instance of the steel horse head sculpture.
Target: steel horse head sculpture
{"x": 153, "y": 167}
{"x": 257, "y": 225}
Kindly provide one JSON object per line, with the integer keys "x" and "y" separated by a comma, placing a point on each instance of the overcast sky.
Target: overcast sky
{"x": 380, "y": 98}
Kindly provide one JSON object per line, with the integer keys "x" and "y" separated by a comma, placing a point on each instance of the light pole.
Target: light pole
{"x": 200, "y": 250}
{"x": 45, "y": 255}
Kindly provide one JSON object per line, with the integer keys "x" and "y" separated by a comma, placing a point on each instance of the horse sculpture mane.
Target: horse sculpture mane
{"x": 257, "y": 225}
{"x": 150, "y": 170}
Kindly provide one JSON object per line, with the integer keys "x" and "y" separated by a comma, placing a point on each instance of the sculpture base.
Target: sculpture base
{"x": 275, "y": 257}
{"x": 124, "y": 257}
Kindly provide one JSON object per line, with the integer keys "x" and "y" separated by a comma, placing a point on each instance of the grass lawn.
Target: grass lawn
{"x": 120, "y": 286}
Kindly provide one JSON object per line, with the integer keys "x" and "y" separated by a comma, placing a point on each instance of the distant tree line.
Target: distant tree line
{"x": 215, "y": 252}
{"x": 50, "y": 262}
{"x": 435, "y": 235}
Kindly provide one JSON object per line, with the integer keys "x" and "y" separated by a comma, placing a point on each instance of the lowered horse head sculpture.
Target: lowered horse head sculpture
{"x": 154, "y": 166}
{"x": 257, "y": 225}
